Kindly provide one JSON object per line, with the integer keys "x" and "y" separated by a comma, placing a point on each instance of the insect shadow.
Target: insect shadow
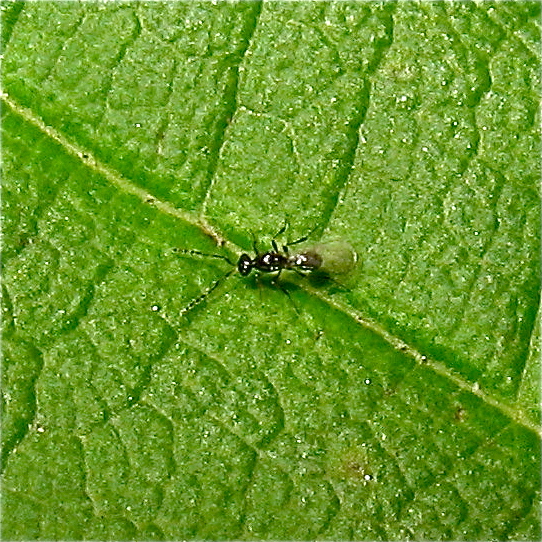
{"x": 315, "y": 263}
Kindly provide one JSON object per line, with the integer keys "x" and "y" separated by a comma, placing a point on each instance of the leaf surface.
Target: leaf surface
{"x": 402, "y": 403}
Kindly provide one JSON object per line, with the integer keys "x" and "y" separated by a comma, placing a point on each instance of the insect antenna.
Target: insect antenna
{"x": 254, "y": 243}
{"x": 195, "y": 302}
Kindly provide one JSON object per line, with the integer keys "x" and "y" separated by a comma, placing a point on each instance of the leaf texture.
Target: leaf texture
{"x": 402, "y": 403}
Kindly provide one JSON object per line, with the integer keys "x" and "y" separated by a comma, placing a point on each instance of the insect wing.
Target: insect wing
{"x": 338, "y": 257}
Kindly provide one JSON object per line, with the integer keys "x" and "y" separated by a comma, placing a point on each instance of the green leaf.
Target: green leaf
{"x": 148, "y": 394}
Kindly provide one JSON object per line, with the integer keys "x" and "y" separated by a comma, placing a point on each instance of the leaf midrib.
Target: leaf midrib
{"x": 127, "y": 187}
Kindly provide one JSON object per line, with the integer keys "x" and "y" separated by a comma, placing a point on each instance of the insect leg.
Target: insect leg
{"x": 300, "y": 273}
{"x": 303, "y": 239}
{"x": 285, "y": 291}
{"x": 283, "y": 229}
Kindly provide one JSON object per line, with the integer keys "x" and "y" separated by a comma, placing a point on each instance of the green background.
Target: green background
{"x": 404, "y": 406}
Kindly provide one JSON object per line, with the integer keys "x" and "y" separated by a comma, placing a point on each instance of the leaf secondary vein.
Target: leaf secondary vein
{"x": 130, "y": 188}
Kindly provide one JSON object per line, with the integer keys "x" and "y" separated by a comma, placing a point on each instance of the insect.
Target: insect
{"x": 324, "y": 258}
{"x": 276, "y": 261}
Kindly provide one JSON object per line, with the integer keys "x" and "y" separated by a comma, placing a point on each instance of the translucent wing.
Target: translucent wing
{"x": 338, "y": 257}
